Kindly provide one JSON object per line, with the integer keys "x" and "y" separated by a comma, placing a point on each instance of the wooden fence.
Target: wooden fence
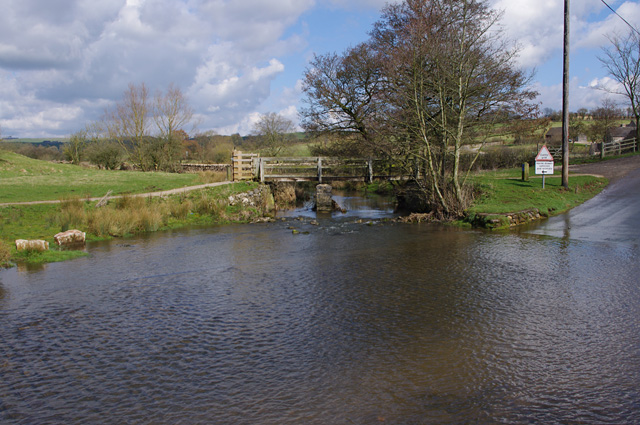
{"x": 244, "y": 165}
{"x": 323, "y": 169}
{"x": 251, "y": 166}
{"x": 618, "y": 148}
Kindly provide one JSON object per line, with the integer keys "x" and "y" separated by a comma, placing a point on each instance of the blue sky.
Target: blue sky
{"x": 62, "y": 62}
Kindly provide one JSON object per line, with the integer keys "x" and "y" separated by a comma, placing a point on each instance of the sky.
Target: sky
{"x": 62, "y": 62}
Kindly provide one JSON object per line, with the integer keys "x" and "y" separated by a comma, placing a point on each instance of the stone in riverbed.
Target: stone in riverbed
{"x": 70, "y": 237}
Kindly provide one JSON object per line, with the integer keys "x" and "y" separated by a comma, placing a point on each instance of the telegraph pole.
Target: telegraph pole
{"x": 565, "y": 100}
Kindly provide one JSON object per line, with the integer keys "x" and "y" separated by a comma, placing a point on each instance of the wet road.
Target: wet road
{"x": 611, "y": 216}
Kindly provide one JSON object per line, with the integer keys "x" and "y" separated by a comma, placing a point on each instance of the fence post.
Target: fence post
{"x": 370, "y": 167}
{"x": 319, "y": 170}
{"x": 236, "y": 163}
{"x": 261, "y": 170}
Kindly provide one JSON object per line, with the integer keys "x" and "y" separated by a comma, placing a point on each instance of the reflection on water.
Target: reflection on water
{"x": 350, "y": 323}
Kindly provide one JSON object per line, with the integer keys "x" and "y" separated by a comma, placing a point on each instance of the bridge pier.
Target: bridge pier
{"x": 324, "y": 203}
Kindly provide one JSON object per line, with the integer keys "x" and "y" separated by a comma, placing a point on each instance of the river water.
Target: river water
{"x": 350, "y": 321}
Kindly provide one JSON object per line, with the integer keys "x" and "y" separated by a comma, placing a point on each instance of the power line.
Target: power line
{"x": 618, "y": 15}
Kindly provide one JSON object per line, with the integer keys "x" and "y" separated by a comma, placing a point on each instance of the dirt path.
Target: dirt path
{"x": 148, "y": 194}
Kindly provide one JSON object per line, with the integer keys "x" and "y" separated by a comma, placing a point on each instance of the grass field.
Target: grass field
{"x": 24, "y": 179}
{"x": 120, "y": 218}
{"x": 505, "y": 192}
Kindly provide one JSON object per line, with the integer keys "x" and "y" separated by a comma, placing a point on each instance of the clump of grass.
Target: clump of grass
{"x": 72, "y": 213}
{"x": 130, "y": 202}
{"x": 133, "y": 214}
{"x": 5, "y": 254}
{"x": 122, "y": 221}
{"x": 179, "y": 207}
{"x": 207, "y": 205}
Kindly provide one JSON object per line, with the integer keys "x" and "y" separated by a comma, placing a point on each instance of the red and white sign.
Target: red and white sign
{"x": 544, "y": 161}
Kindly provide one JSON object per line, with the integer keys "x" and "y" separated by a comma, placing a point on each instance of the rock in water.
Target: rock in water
{"x": 324, "y": 203}
{"x": 70, "y": 237}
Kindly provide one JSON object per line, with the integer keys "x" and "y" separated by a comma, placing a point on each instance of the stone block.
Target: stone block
{"x": 32, "y": 245}
{"x": 70, "y": 237}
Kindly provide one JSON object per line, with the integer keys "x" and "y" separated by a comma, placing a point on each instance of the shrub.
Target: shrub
{"x": 104, "y": 154}
{"x": 72, "y": 213}
{"x": 499, "y": 157}
{"x": 179, "y": 207}
{"x": 5, "y": 254}
{"x": 204, "y": 205}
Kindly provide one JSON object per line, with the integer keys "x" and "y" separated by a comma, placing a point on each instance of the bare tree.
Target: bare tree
{"x": 74, "y": 149}
{"x": 622, "y": 60}
{"x": 451, "y": 78}
{"x": 273, "y": 131}
{"x": 128, "y": 123}
{"x": 343, "y": 95}
{"x": 171, "y": 114}
{"x": 605, "y": 118}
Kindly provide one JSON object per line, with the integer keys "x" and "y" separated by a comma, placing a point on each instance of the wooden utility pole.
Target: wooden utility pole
{"x": 565, "y": 100}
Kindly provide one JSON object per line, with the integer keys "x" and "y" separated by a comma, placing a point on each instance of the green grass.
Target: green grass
{"x": 25, "y": 179}
{"x": 504, "y": 192}
{"x": 297, "y": 150}
{"x": 121, "y": 217}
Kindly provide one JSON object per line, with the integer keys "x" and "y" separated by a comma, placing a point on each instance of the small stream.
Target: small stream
{"x": 354, "y": 320}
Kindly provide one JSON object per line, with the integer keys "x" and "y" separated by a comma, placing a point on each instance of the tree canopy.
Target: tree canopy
{"x": 434, "y": 75}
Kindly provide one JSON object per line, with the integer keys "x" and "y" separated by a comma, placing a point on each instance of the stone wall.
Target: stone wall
{"x": 492, "y": 221}
{"x": 195, "y": 168}
{"x": 260, "y": 197}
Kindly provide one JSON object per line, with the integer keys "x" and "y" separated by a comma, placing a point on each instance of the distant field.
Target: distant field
{"x": 25, "y": 179}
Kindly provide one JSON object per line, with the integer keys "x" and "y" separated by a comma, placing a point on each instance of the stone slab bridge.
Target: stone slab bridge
{"x": 249, "y": 166}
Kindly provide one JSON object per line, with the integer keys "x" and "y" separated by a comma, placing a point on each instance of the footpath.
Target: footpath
{"x": 147, "y": 194}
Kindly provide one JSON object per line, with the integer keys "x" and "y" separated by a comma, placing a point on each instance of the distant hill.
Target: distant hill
{"x": 36, "y": 141}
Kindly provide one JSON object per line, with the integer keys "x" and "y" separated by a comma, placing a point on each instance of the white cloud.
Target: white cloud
{"x": 63, "y": 61}
{"x": 580, "y": 96}
{"x": 538, "y": 26}
{"x": 357, "y": 4}
{"x": 82, "y": 54}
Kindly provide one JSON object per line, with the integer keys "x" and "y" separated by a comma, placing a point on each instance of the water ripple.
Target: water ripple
{"x": 348, "y": 324}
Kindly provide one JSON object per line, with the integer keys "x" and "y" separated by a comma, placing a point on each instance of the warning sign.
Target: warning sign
{"x": 544, "y": 162}
{"x": 544, "y": 155}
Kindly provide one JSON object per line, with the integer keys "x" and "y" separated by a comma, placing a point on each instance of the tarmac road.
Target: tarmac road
{"x": 611, "y": 216}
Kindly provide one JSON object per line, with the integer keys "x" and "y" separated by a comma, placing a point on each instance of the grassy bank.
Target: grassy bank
{"x": 120, "y": 218}
{"x": 503, "y": 192}
{"x": 24, "y": 179}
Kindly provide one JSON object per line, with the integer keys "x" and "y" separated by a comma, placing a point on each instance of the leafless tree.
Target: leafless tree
{"x": 451, "y": 78}
{"x": 74, "y": 148}
{"x": 171, "y": 114}
{"x": 343, "y": 95}
{"x": 128, "y": 123}
{"x": 273, "y": 131}
{"x": 605, "y": 117}
{"x": 622, "y": 60}
{"x": 132, "y": 120}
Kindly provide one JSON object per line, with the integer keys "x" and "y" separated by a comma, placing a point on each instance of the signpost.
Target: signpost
{"x": 544, "y": 163}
